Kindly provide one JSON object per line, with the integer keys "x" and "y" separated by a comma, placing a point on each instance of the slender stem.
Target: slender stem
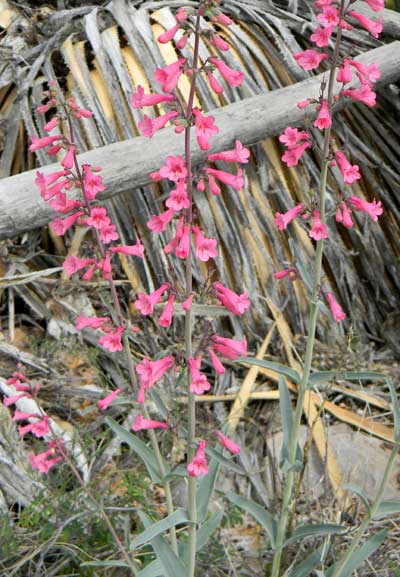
{"x": 128, "y": 355}
{"x": 302, "y": 387}
{"x": 192, "y": 505}
{"x": 364, "y": 525}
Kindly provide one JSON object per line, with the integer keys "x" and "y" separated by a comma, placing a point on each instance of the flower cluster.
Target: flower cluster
{"x": 333, "y": 17}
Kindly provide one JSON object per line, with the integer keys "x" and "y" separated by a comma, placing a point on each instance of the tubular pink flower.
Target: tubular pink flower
{"x": 232, "y": 77}
{"x": 344, "y": 74}
{"x": 93, "y": 183}
{"x": 318, "y": 230}
{"x": 92, "y": 322}
{"x": 376, "y": 5}
{"x": 373, "y": 209}
{"x": 292, "y": 155}
{"x": 228, "y": 443}
{"x": 38, "y": 143}
{"x": 187, "y": 303}
{"x": 140, "y": 99}
{"x": 54, "y": 190}
{"x": 214, "y": 188}
{"x": 61, "y": 225}
{"x": 365, "y": 94}
{"x": 371, "y": 73}
{"x": 222, "y": 19}
{"x": 235, "y": 303}
{"x": 181, "y": 43}
{"x": 98, "y": 218}
{"x": 131, "y": 250}
{"x": 329, "y": 17}
{"x": 167, "y": 314}
{"x": 238, "y": 154}
{"x": 303, "y": 104}
{"x": 171, "y": 246}
{"x": 283, "y": 219}
{"x": 105, "y": 266}
{"x": 169, "y": 75}
{"x": 62, "y": 204}
{"x": 230, "y": 348}
{"x": 142, "y": 424}
{"x": 219, "y": 42}
{"x": 291, "y": 272}
{"x": 350, "y": 172}
{"x": 205, "y": 247}
{"x": 149, "y": 126}
{"x": 42, "y": 462}
{"x": 216, "y": 363}
{"x": 215, "y": 85}
{"x": 236, "y": 181}
{"x": 158, "y": 223}
{"x": 343, "y": 215}
{"x": 20, "y": 416}
{"x": 83, "y": 113}
{"x": 145, "y": 303}
{"x": 323, "y": 119}
{"x": 337, "y": 311}
{"x": 103, "y": 404}
{"x": 72, "y": 264}
{"x": 49, "y": 126}
{"x": 68, "y": 160}
{"x": 53, "y": 150}
{"x": 178, "y": 198}
{"x": 374, "y": 28}
{"x": 321, "y": 36}
{"x": 310, "y": 59}
{"x": 43, "y": 181}
{"x": 38, "y": 428}
{"x": 204, "y": 129}
{"x": 108, "y": 233}
{"x": 198, "y": 467}
{"x": 8, "y": 401}
{"x": 199, "y": 383}
{"x": 112, "y": 341}
{"x": 291, "y": 137}
{"x": 183, "y": 248}
{"x": 150, "y": 372}
{"x": 174, "y": 168}
{"x": 169, "y": 34}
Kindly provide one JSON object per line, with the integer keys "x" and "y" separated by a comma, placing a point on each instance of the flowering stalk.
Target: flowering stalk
{"x": 331, "y": 17}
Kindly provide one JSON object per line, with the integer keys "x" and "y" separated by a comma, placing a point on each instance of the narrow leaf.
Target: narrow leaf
{"x": 327, "y": 376}
{"x": 359, "y": 555}
{"x": 259, "y": 513}
{"x": 110, "y": 563}
{"x": 386, "y": 508}
{"x": 208, "y": 528}
{"x": 140, "y": 448}
{"x": 225, "y": 461}
{"x": 310, "y": 563}
{"x": 285, "y": 406}
{"x": 395, "y": 408}
{"x": 276, "y": 367}
{"x": 206, "y": 486}
{"x": 359, "y": 491}
{"x": 176, "y": 518}
{"x": 314, "y": 530}
{"x": 154, "y": 569}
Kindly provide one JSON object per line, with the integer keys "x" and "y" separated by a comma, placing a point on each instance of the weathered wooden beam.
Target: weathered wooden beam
{"x": 127, "y": 165}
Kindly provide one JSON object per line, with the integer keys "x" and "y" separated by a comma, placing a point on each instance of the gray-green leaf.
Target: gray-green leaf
{"x": 386, "y": 508}
{"x": 177, "y": 518}
{"x": 259, "y": 513}
{"x": 314, "y": 530}
{"x": 359, "y": 555}
{"x": 276, "y": 367}
{"x": 359, "y": 491}
{"x": 304, "y": 568}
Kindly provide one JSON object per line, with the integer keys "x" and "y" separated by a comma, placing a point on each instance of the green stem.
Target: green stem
{"x": 364, "y": 525}
{"x": 302, "y": 388}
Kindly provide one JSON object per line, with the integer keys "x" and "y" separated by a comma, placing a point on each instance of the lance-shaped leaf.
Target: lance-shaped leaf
{"x": 153, "y": 569}
{"x": 259, "y": 513}
{"x": 359, "y": 491}
{"x": 276, "y": 367}
{"x": 391, "y": 507}
{"x": 285, "y": 406}
{"x": 110, "y": 563}
{"x": 206, "y": 486}
{"x": 359, "y": 556}
{"x": 176, "y": 518}
{"x": 207, "y": 529}
{"x": 224, "y": 461}
{"x": 314, "y": 530}
{"x": 310, "y": 563}
{"x": 327, "y": 376}
{"x": 395, "y": 409}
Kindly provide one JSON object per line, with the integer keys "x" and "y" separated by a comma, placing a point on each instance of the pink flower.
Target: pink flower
{"x": 49, "y": 126}
{"x": 73, "y": 264}
{"x": 371, "y": 73}
{"x": 321, "y": 36}
{"x": 169, "y": 75}
{"x": 171, "y": 246}
{"x": 365, "y": 94}
{"x": 187, "y": 303}
{"x": 8, "y": 401}
{"x": 374, "y": 28}
{"x": 228, "y": 443}
{"x": 235, "y": 303}
{"x": 20, "y": 416}
{"x": 149, "y": 126}
{"x": 174, "y": 169}
{"x": 145, "y": 303}
{"x": 140, "y": 99}
{"x": 43, "y": 181}
{"x": 323, "y": 119}
{"x": 108, "y": 233}
{"x": 178, "y": 198}
{"x": 112, "y": 340}
{"x": 166, "y": 316}
{"x": 53, "y": 150}
{"x": 215, "y": 85}
{"x": 92, "y": 322}
{"x": 150, "y": 372}
{"x": 343, "y": 215}
{"x": 350, "y": 172}
{"x": 204, "y": 128}
{"x": 38, "y": 428}
{"x": 238, "y": 154}
{"x": 283, "y": 219}
{"x": 293, "y": 155}
{"x": 205, "y": 247}
{"x": 310, "y": 59}
{"x": 42, "y": 462}
{"x": 219, "y": 42}
{"x": 216, "y": 363}
{"x": 183, "y": 248}
{"x": 98, "y": 217}
{"x": 291, "y": 272}
{"x": 68, "y": 160}
{"x": 198, "y": 467}
{"x": 344, "y": 74}
{"x": 142, "y": 424}
{"x": 337, "y": 311}
{"x": 232, "y": 77}
{"x": 181, "y": 43}
{"x": 303, "y": 104}
{"x": 329, "y": 17}
{"x": 230, "y": 348}
{"x": 93, "y": 183}
{"x": 158, "y": 223}
{"x": 376, "y": 5}
{"x": 214, "y": 188}
{"x": 105, "y": 266}
{"x": 199, "y": 383}
{"x": 103, "y": 404}
{"x": 291, "y": 136}
{"x": 83, "y": 113}
{"x": 38, "y": 143}
{"x": 54, "y": 190}
{"x": 62, "y": 204}
{"x": 373, "y": 209}
{"x": 61, "y": 225}
{"x": 131, "y": 250}
{"x": 318, "y": 230}
{"x": 234, "y": 180}
{"x": 223, "y": 19}
{"x": 169, "y": 34}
